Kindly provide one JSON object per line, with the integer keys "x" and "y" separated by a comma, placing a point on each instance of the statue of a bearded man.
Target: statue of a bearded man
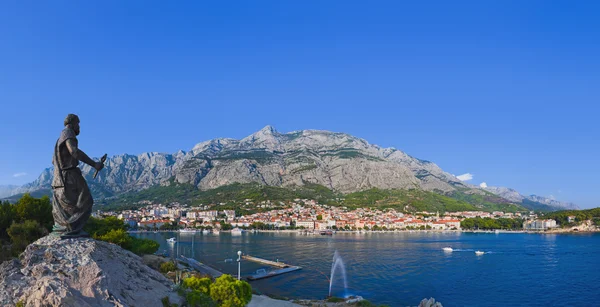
{"x": 72, "y": 201}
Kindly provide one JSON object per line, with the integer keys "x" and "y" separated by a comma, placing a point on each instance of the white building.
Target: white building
{"x": 305, "y": 224}
{"x": 539, "y": 224}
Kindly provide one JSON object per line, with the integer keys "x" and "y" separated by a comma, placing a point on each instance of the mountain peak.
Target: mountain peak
{"x": 268, "y": 129}
{"x": 266, "y": 138}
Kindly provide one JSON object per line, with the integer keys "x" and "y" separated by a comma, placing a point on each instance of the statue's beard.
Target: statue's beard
{"x": 76, "y": 130}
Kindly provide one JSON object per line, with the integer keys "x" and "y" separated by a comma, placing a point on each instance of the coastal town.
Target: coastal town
{"x": 306, "y": 215}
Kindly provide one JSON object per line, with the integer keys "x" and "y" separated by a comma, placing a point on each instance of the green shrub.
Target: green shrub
{"x": 229, "y": 292}
{"x": 364, "y": 303}
{"x": 144, "y": 246}
{"x": 167, "y": 303}
{"x": 114, "y": 231}
{"x": 99, "y": 227}
{"x": 117, "y": 236}
{"x": 198, "y": 284}
{"x": 334, "y": 299}
{"x": 22, "y": 234}
{"x": 167, "y": 267}
{"x": 196, "y": 298}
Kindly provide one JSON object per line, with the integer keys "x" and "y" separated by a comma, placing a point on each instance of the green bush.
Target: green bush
{"x": 229, "y": 292}
{"x": 23, "y": 234}
{"x": 144, "y": 246}
{"x": 365, "y": 303}
{"x": 119, "y": 236}
{"x": 167, "y": 303}
{"x": 198, "y": 284}
{"x": 334, "y": 299}
{"x": 35, "y": 209}
{"x": 196, "y": 298}
{"x": 99, "y": 227}
{"x": 167, "y": 267}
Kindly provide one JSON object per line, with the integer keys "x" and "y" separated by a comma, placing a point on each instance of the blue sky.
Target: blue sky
{"x": 504, "y": 90}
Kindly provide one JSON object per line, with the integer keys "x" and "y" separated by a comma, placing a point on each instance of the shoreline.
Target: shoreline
{"x": 549, "y": 231}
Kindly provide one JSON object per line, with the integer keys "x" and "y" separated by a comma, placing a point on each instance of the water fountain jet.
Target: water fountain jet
{"x": 338, "y": 264}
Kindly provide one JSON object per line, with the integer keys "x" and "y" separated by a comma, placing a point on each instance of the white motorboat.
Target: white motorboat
{"x": 479, "y": 253}
{"x": 205, "y": 231}
{"x": 236, "y": 231}
{"x": 172, "y": 240}
{"x": 447, "y": 249}
{"x": 216, "y": 231}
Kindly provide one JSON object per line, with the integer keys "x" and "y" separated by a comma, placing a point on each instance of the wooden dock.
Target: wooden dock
{"x": 200, "y": 267}
{"x": 268, "y": 262}
{"x": 264, "y": 274}
{"x": 260, "y": 274}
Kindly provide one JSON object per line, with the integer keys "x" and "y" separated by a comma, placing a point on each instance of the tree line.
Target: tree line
{"x": 31, "y": 218}
{"x": 22, "y": 223}
{"x": 488, "y": 223}
{"x": 562, "y": 217}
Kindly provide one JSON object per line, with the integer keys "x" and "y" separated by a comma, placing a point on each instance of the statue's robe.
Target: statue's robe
{"x": 72, "y": 201}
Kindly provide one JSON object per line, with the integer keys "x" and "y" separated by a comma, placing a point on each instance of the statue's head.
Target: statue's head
{"x": 72, "y": 121}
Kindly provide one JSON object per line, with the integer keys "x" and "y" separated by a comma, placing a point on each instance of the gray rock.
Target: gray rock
{"x": 81, "y": 272}
{"x": 518, "y": 198}
{"x": 430, "y": 303}
{"x": 338, "y": 161}
{"x": 9, "y": 190}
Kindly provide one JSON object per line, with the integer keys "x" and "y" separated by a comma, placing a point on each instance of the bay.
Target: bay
{"x": 400, "y": 269}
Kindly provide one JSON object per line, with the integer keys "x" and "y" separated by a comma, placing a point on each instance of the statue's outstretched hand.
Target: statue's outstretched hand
{"x": 99, "y": 166}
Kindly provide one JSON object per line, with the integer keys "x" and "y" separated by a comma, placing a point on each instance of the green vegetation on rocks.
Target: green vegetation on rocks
{"x": 411, "y": 200}
{"x": 406, "y": 200}
{"x": 224, "y": 291}
{"x": 486, "y": 201}
{"x": 22, "y": 223}
{"x": 562, "y": 217}
{"x": 168, "y": 266}
{"x": 489, "y": 223}
{"x": 113, "y": 230}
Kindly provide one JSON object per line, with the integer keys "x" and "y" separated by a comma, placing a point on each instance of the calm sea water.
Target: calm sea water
{"x": 401, "y": 269}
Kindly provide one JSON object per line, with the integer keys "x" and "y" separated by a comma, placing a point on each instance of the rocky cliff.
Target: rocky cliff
{"x": 8, "y": 190}
{"x": 534, "y": 201}
{"x": 339, "y": 161}
{"x": 80, "y": 272}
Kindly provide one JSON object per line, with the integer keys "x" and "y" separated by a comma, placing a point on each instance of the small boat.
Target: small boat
{"x": 216, "y": 231}
{"x": 236, "y": 231}
{"x": 172, "y": 240}
{"x": 447, "y": 249}
{"x": 205, "y": 231}
{"x": 497, "y": 231}
{"x": 326, "y": 232}
{"x": 479, "y": 253}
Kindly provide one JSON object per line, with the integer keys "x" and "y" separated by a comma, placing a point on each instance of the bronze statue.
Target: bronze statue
{"x": 72, "y": 202}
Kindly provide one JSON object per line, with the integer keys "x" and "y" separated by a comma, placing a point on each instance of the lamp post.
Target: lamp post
{"x": 239, "y": 263}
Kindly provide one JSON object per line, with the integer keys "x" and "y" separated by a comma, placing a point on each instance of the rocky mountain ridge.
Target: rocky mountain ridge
{"x": 517, "y": 197}
{"x": 9, "y": 190}
{"x": 338, "y": 161}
